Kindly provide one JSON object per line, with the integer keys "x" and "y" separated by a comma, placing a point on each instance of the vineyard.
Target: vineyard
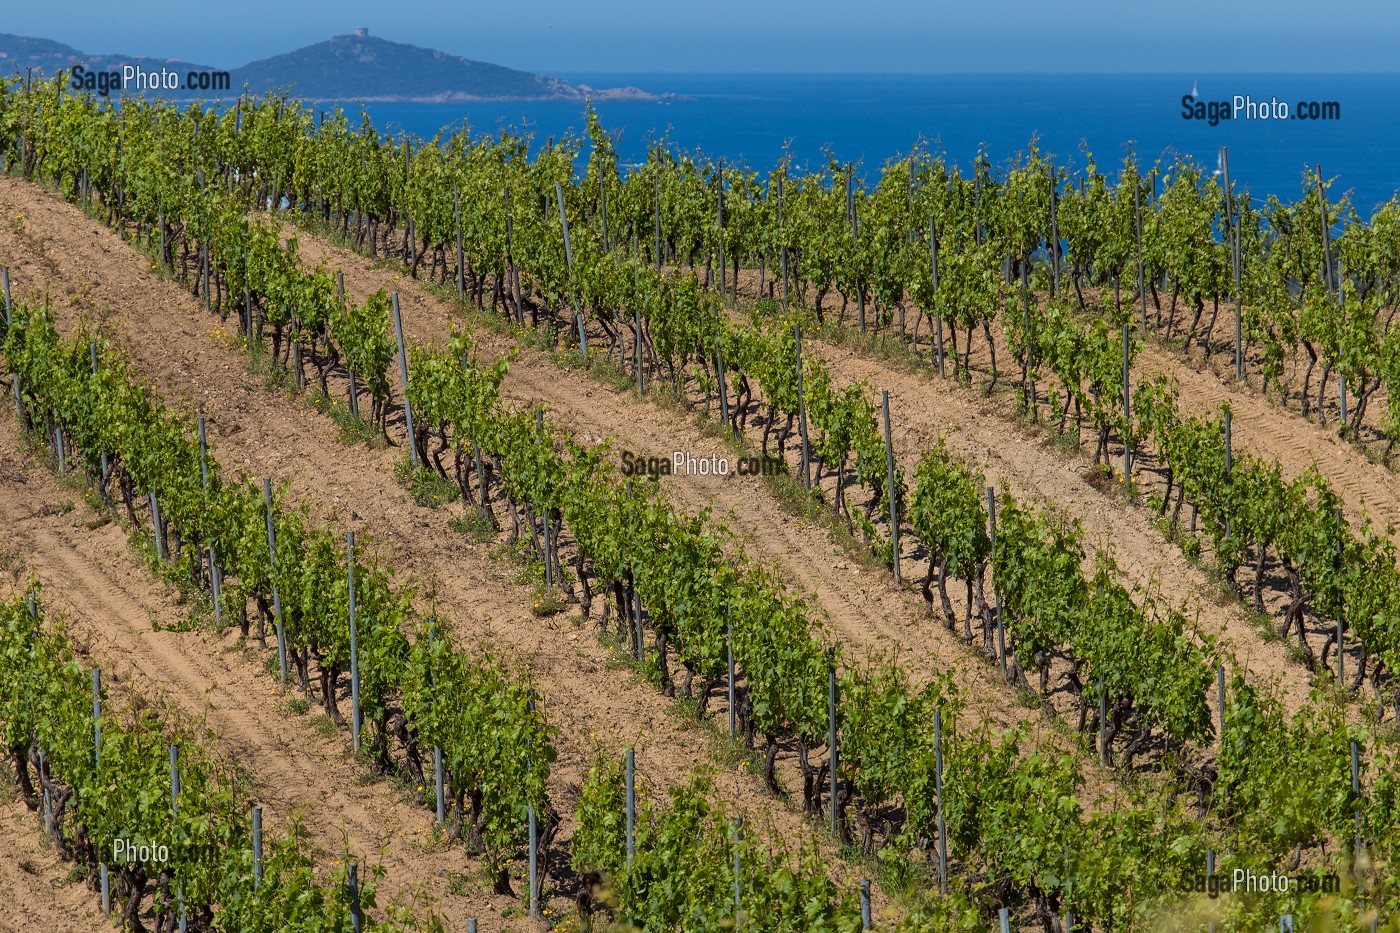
{"x": 1077, "y": 594}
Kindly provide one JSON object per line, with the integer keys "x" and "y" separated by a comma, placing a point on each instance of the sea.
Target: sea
{"x": 871, "y": 119}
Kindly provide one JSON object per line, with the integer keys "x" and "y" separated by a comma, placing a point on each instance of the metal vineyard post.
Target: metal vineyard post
{"x": 353, "y": 389}
{"x": 937, "y": 315}
{"x": 938, "y": 787}
{"x": 892, "y": 489}
{"x": 1127, "y": 416}
{"x": 1356, "y": 791}
{"x": 102, "y": 479}
{"x": 729, "y": 651}
{"x": 569, "y": 265}
{"x": 1141, "y": 281}
{"x": 352, "y": 883}
{"x": 276, "y": 594}
{"x": 1103, "y": 723}
{"x": 534, "y": 862}
{"x": 257, "y": 847}
{"x": 1220, "y": 697}
{"x": 354, "y": 652}
{"x": 854, "y": 220}
{"x": 96, "y": 719}
{"x": 1054, "y": 243}
{"x": 802, "y": 411}
{"x": 157, "y": 525}
{"x": 214, "y": 581}
{"x": 175, "y": 819}
{"x": 831, "y": 739}
{"x": 403, "y": 377}
{"x": 457, "y": 224}
{"x": 1210, "y": 873}
{"x": 738, "y": 888}
{"x": 719, "y": 212}
{"x": 630, "y": 759}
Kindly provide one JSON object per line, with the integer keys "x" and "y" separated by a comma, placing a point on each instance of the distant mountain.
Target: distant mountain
{"x": 366, "y": 67}
{"x": 349, "y": 67}
{"x": 25, "y": 52}
{"x": 18, "y": 53}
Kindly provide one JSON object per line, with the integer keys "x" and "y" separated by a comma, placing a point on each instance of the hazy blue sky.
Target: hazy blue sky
{"x": 1186, "y": 36}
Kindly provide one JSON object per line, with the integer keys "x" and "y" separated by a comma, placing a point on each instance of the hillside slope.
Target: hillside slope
{"x": 349, "y": 67}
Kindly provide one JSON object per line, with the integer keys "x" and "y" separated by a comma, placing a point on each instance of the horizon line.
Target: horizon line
{"x": 984, "y": 73}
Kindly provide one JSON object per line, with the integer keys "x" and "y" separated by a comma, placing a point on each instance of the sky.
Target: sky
{"x": 565, "y": 36}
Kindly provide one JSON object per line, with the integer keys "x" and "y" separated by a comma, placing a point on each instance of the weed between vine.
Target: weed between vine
{"x": 474, "y": 526}
{"x": 352, "y": 430}
{"x": 428, "y": 488}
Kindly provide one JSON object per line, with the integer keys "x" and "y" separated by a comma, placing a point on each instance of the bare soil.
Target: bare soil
{"x": 35, "y": 893}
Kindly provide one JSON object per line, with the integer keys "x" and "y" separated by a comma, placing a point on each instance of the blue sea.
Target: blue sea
{"x": 870, "y": 119}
